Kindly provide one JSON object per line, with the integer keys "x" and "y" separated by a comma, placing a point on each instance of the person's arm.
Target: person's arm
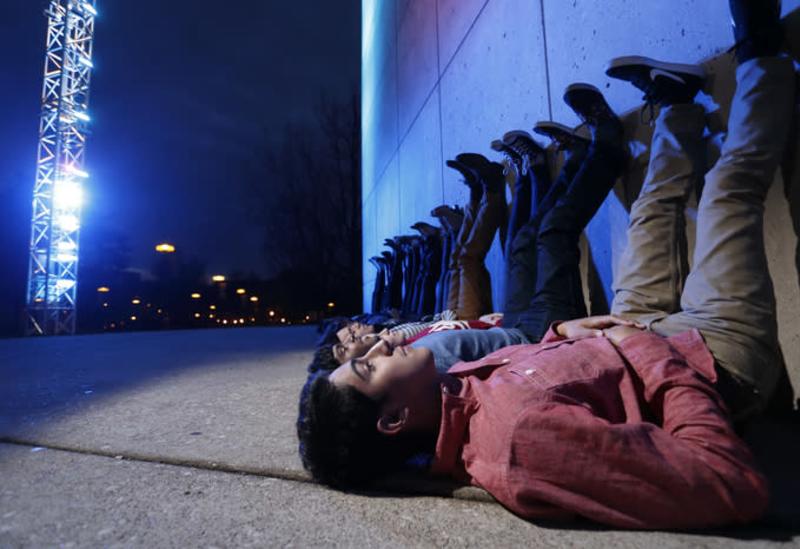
{"x": 691, "y": 472}
{"x": 579, "y": 328}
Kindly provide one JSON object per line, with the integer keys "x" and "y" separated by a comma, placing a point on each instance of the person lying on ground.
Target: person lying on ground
{"x": 603, "y": 418}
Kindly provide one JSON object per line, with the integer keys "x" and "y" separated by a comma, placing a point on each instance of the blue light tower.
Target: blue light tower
{"x": 58, "y": 191}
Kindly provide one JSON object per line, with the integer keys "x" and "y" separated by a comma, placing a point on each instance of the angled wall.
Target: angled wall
{"x": 442, "y": 77}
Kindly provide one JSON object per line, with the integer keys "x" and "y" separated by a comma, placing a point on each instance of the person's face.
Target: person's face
{"x": 354, "y": 347}
{"x": 388, "y": 373}
{"x": 353, "y": 330}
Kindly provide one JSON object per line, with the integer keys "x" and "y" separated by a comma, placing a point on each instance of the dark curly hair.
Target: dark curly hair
{"x": 328, "y": 328}
{"x": 323, "y": 360}
{"x": 340, "y": 444}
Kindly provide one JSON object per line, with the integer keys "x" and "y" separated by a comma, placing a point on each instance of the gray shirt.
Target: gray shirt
{"x": 451, "y": 346}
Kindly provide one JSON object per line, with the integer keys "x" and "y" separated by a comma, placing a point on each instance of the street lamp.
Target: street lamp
{"x": 165, "y": 248}
{"x": 218, "y": 278}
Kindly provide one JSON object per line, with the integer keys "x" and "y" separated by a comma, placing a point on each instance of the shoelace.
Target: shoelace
{"x": 650, "y": 101}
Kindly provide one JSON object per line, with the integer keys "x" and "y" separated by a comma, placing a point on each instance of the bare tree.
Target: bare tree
{"x": 307, "y": 202}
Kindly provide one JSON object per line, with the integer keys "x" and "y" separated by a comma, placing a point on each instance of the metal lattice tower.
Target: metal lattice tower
{"x": 58, "y": 191}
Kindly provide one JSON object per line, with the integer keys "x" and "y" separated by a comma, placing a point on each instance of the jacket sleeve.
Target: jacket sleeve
{"x": 692, "y": 471}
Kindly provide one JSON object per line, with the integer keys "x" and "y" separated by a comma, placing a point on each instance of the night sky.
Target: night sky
{"x": 185, "y": 95}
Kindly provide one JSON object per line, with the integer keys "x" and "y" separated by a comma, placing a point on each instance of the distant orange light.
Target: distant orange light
{"x": 283, "y": 321}
{"x": 165, "y": 248}
{"x": 196, "y": 296}
{"x": 136, "y": 301}
{"x": 103, "y": 289}
{"x": 197, "y": 315}
{"x": 212, "y": 307}
{"x": 331, "y": 304}
{"x": 241, "y": 291}
{"x": 272, "y": 313}
{"x": 254, "y": 298}
{"x": 218, "y": 278}
{"x": 133, "y": 317}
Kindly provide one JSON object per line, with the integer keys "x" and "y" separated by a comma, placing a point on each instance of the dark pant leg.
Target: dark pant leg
{"x": 521, "y": 256}
{"x": 396, "y": 281}
{"x": 558, "y": 294}
{"x": 441, "y": 285}
{"x": 377, "y": 292}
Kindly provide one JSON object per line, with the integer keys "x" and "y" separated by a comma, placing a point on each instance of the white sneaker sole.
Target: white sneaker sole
{"x": 680, "y": 68}
{"x": 554, "y": 126}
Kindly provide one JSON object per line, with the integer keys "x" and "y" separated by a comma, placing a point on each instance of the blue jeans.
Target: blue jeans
{"x": 543, "y": 281}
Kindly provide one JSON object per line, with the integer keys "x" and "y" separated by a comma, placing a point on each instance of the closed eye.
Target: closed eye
{"x": 363, "y": 367}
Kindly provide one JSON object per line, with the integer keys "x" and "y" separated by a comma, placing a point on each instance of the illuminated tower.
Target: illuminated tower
{"x": 58, "y": 191}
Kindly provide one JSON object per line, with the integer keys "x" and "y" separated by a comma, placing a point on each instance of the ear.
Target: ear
{"x": 393, "y": 422}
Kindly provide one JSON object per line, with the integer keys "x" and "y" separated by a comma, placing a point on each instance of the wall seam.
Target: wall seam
{"x": 546, "y": 62}
{"x": 438, "y": 89}
{"x": 397, "y": 109}
{"x": 438, "y": 79}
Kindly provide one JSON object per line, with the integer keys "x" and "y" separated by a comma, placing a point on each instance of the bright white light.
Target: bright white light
{"x": 74, "y": 170}
{"x": 68, "y": 223}
{"x": 66, "y": 258}
{"x": 81, "y": 116}
{"x": 66, "y": 246}
{"x": 90, "y": 8}
{"x": 64, "y": 284}
{"x": 86, "y": 61}
{"x": 67, "y": 195}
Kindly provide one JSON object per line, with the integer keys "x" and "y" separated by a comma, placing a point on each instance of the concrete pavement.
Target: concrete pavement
{"x": 187, "y": 438}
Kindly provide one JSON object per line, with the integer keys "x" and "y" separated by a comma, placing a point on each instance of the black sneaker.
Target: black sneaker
{"x": 491, "y": 174}
{"x": 426, "y": 229}
{"x": 756, "y": 28}
{"x": 499, "y": 146}
{"x": 450, "y": 218}
{"x": 588, "y": 103}
{"x": 523, "y": 143}
{"x": 470, "y": 176}
{"x": 662, "y": 83}
{"x": 563, "y": 136}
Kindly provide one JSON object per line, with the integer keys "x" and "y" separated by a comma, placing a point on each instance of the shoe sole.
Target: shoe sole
{"x": 497, "y": 145}
{"x": 554, "y": 127}
{"x": 652, "y": 64}
{"x": 469, "y": 175}
{"x": 509, "y": 137}
{"x": 581, "y": 86}
{"x": 501, "y": 147}
{"x": 578, "y": 87}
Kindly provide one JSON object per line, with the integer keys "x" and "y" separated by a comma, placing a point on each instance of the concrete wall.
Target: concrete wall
{"x": 442, "y": 77}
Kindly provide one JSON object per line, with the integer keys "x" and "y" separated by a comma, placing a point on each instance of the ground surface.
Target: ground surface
{"x": 187, "y": 438}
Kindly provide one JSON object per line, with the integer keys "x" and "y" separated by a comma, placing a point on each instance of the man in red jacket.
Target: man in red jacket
{"x": 604, "y": 419}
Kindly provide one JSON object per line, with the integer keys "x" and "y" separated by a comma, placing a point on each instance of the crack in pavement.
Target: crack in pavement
{"x": 405, "y": 484}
